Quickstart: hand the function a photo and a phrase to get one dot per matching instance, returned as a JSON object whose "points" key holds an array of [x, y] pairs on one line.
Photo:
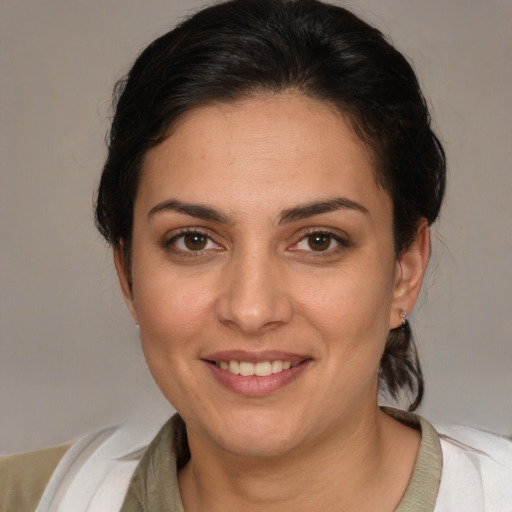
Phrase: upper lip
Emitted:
{"points": [[254, 357]]}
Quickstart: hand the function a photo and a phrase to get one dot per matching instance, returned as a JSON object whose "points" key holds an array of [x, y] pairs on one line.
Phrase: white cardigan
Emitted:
{"points": [[94, 474]]}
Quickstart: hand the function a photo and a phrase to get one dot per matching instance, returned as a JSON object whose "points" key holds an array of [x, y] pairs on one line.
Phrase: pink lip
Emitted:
{"points": [[255, 386]]}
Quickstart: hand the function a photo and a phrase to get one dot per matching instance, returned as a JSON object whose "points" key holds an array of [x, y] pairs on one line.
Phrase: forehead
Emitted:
{"points": [[243, 152]]}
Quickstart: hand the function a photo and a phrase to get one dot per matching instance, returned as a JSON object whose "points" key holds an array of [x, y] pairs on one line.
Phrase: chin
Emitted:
{"points": [[255, 435], [259, 443]]}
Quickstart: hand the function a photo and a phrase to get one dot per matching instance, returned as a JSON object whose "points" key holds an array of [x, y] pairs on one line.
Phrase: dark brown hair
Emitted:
{"points": [[241, 48]]}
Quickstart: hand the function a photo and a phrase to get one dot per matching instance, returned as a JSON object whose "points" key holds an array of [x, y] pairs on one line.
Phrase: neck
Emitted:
{"points": [[366, 465]]}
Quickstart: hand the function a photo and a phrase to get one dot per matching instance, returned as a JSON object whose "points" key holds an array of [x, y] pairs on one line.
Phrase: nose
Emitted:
{"points": [[255, 297]]}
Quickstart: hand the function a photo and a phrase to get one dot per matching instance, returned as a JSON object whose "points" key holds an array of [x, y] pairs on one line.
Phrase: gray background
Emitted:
{"points": [[69, 356]]}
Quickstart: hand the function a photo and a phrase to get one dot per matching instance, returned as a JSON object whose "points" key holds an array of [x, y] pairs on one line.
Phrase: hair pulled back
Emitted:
{"points": [[243, 48]]}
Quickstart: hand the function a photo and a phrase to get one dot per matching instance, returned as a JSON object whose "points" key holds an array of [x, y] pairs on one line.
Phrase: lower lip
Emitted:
{"points": [[254, 385]]}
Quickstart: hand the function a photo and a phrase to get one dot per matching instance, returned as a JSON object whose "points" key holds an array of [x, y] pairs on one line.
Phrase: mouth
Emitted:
{"points": [[259, 369], [256, 375]]}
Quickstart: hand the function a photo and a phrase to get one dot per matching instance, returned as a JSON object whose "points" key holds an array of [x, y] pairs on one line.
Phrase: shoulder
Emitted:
{"points": [[24, 476], [486, 445], [477, 470], [92, 474], [475, 467]]}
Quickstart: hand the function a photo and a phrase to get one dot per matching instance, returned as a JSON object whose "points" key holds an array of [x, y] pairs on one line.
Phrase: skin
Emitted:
{"points": [[257, 285]]}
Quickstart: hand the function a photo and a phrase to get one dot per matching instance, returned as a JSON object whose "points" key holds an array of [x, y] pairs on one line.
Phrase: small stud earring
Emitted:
{"points": [[403, 316]]}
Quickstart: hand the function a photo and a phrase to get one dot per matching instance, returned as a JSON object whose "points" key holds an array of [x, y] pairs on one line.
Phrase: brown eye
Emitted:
{"points": [[195, 241], [319, 241], [192, 243]]}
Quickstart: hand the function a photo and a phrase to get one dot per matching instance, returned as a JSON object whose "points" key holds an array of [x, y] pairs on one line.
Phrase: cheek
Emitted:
{"points": [[173, 316], [349, 300], [350, 309], [170, 310]]}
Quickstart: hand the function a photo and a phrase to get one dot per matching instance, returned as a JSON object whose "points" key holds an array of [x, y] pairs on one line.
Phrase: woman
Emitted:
{"points": [[270, 183]]}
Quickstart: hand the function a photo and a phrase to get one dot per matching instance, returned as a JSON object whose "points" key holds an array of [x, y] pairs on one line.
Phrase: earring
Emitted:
{"points": [[403, 316]]}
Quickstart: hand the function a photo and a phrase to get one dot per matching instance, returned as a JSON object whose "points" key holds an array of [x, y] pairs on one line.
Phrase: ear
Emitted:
{"points": [[124, 281], [411, 268]]}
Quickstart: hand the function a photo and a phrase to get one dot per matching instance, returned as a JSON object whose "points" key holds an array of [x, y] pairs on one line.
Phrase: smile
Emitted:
{"points": [[259, 369], [256, 374]]}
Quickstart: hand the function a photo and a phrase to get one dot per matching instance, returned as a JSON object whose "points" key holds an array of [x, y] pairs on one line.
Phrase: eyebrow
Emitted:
{"points": [[319, 207], [199, 211], [287, 216]]}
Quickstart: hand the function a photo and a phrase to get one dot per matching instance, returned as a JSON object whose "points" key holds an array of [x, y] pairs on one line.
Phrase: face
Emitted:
{"points": [[264, 275]]}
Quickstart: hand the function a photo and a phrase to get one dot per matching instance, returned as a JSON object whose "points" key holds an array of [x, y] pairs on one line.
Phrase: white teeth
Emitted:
{"points": [[234, 367], [261, 369], [277, 366], [246, 369]]}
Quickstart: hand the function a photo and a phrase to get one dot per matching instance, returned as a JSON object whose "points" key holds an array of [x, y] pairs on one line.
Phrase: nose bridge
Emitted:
{"points": [[255, 298]]}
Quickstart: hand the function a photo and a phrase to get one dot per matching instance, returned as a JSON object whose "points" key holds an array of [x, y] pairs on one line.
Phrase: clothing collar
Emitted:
{"points": [[154, 485]]}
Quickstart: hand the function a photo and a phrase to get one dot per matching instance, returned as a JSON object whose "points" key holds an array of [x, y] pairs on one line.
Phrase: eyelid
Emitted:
{"points": [[340, 237], [172, 237]]}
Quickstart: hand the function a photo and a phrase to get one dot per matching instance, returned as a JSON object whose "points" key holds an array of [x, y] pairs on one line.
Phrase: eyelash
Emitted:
{"points": [[342, 242], [170, 244]]}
